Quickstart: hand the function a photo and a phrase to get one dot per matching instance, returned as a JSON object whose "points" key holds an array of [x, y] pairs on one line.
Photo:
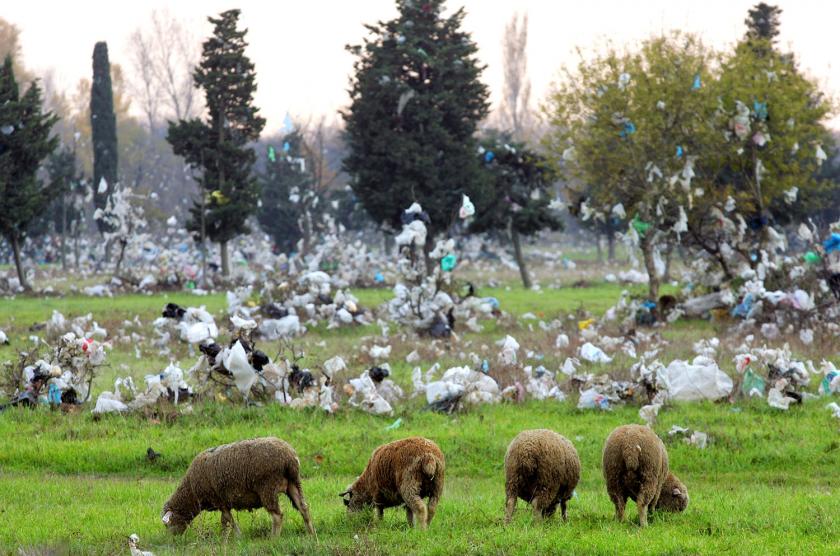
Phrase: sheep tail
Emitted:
{"points": [[631, 453], [429, 465]]}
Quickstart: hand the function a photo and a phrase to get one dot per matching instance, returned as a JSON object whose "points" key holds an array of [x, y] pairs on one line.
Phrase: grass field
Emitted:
{"points": [[767, 483]]}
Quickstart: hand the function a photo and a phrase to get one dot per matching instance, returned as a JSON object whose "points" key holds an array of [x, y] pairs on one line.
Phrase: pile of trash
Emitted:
{"points": [[63, 377], [169, 385], [349, 264], [425, 299], [193, 325]]}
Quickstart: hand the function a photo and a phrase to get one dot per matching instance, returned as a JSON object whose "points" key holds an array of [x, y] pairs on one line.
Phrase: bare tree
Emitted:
{"points": [[516, 91], [144, 83], [163, 54]]}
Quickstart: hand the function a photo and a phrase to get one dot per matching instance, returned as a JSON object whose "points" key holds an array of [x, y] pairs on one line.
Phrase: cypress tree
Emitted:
{"points": [[24, 142], [219, 146], [103, 123], [416, 101]]}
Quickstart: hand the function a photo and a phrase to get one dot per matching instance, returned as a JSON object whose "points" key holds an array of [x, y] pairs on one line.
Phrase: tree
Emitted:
{"points": [[416, 101], [162, 53], [763, 22], [520, 202], [630, 128], [65, 181], [516, 90], [103, 125], [219, 146], [24, 142], [286, 178], [765, 171]]}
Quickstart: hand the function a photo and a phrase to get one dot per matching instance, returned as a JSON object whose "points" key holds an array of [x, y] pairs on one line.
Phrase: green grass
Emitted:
{"points": [[766, 484]]}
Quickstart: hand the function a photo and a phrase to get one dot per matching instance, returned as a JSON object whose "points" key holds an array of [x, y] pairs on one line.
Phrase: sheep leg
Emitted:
{"points": [[409, 515], [229, 523], [268, 499], [619, 501], [563, 509], [510, 506], [433, 501], [418, 511], [647, 493], [276, 522], [543, 506], [380, 513], [295, 494]]}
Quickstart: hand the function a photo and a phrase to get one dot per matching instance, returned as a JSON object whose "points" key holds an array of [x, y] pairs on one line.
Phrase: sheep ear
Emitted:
{"points": [[677, 492], [166, 517]]}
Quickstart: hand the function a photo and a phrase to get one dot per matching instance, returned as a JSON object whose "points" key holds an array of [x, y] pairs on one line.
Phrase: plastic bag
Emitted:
{"points": [[594, 354], [701, 379], [591, 399]]}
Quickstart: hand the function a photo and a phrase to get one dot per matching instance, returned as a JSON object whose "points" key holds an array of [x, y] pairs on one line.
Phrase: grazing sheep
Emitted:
{"points": [[401, 472], [244, 475], [543, 468], [635, 465]]}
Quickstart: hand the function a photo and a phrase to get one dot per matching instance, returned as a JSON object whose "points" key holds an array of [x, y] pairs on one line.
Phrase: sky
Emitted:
{"points": [[303, 68]]}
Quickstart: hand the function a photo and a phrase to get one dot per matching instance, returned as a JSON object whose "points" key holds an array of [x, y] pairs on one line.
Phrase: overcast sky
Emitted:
{"points": [[298, 46]]}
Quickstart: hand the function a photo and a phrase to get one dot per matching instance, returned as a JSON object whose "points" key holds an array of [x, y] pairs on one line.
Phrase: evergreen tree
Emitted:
{"points": [[103, 124], [763, 22], [65, 181], [286, 179], [219, 146], [416, 100], [520, 200], [24, 142]]}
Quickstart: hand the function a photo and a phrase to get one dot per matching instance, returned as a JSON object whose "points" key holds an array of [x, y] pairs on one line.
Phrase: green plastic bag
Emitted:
{"points": [[811, 258], [640, 225], [447, 264], [752, 380]]}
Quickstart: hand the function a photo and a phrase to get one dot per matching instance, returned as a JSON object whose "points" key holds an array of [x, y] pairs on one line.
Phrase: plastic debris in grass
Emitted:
{"points": [[62, 376], [701, 379], [689, 436]]}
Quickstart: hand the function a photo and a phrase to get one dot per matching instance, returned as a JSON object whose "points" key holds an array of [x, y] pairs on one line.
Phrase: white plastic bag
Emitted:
{"points": [[701, 379]]}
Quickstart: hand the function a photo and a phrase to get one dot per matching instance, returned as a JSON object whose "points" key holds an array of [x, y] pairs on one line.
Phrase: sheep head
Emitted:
{"points": [[175, 522], [674, 496], [356, 499]]}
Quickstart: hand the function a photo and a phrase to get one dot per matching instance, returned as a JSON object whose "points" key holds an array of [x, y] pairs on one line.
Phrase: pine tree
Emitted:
{"points": [[103, 124], [416, 100], [219, 146], [520, 200], [24, 142], [287, 177]]}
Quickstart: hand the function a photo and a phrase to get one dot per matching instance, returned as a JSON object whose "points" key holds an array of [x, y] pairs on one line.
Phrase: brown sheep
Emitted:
{"points": [[244, 475], [543, 468], [401, 472], [635, 465]]}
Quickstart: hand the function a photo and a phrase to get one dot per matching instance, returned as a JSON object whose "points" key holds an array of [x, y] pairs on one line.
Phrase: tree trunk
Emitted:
{"points": [[63, 231], [430, 265], [76, 249], [225, 263], [669, 251], [307, 231], [653, 279], [18, 265], [598, 247], [123, 243], [611, 246], [520, 259]]}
